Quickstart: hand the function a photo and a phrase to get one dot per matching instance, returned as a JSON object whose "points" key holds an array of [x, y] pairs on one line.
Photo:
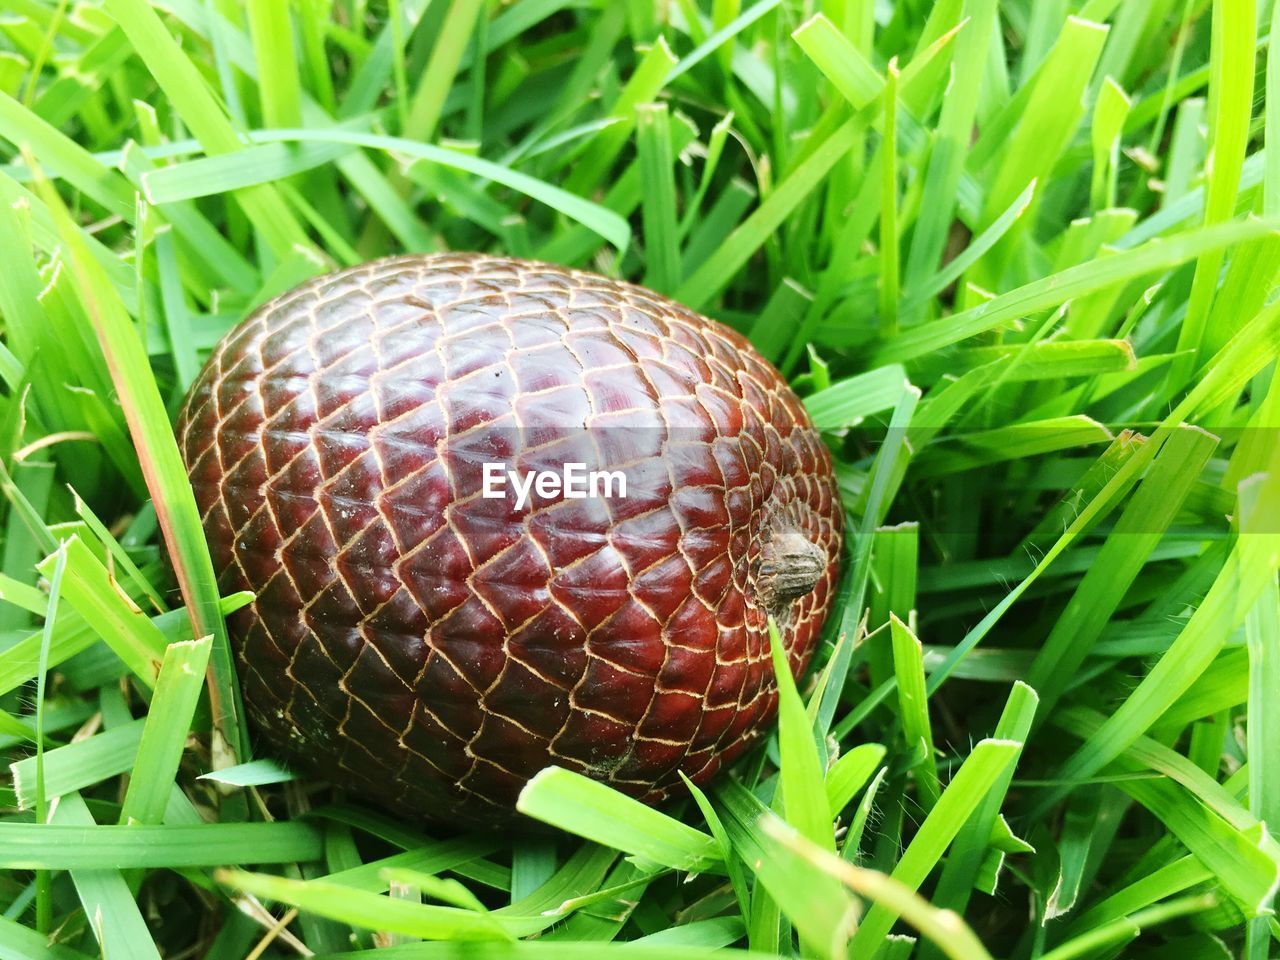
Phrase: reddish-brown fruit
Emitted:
{"points": [[433, 648]]}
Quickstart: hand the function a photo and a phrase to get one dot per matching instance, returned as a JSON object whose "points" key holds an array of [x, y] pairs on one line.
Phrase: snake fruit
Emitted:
{"points": [[430, 642]]}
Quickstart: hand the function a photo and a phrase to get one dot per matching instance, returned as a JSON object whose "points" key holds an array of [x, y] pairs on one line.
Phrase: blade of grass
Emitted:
{"points": [[164, 736], [972, 843], [895, 557], [951, 142], [1246, 863], [446, 56], [594, 158], [119, 558], [803, 799], [602, 221], [718, 270], [67, 158], [433, 856], [847, 403], [194, 102], [589, 809], [782, 312], [1168, 880], [216, 255], [376, 912], [1140, 528], [822, 911], [255, 773], [1262, 633], [1251, 566], [889, 239], [23, 943], [1041, 360], [978, 774], [913, 708], [728, 25], [279, 89], [79, 764], [1053, 110], [165, 475], [1018, 441], [1053, 291], [711, 160], [114, 916], [1235, 32], [261, 162], [944, 929], [915, 300], [850, 774], [1129, 927], [58, 846], [658, 208], [44, 890], [91, 592], [1109, 112], [839, 60]]}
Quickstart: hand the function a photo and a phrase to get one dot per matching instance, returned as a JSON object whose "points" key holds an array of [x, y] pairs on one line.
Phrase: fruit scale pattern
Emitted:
{"points": [[431, 648]]}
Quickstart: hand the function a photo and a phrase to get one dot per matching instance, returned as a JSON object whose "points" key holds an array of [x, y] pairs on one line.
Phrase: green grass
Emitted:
{"points": [[1018, 258]]}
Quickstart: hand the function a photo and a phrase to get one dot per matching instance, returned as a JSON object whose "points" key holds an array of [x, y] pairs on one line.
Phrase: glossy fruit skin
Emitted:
{"points": [[431, 649]]}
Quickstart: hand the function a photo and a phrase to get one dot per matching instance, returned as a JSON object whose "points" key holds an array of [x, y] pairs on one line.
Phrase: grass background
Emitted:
{"points": [[1017, 256]]}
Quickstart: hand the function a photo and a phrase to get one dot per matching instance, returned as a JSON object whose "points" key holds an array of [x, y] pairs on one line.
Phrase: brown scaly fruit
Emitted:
{"points": [[432, 648]]}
